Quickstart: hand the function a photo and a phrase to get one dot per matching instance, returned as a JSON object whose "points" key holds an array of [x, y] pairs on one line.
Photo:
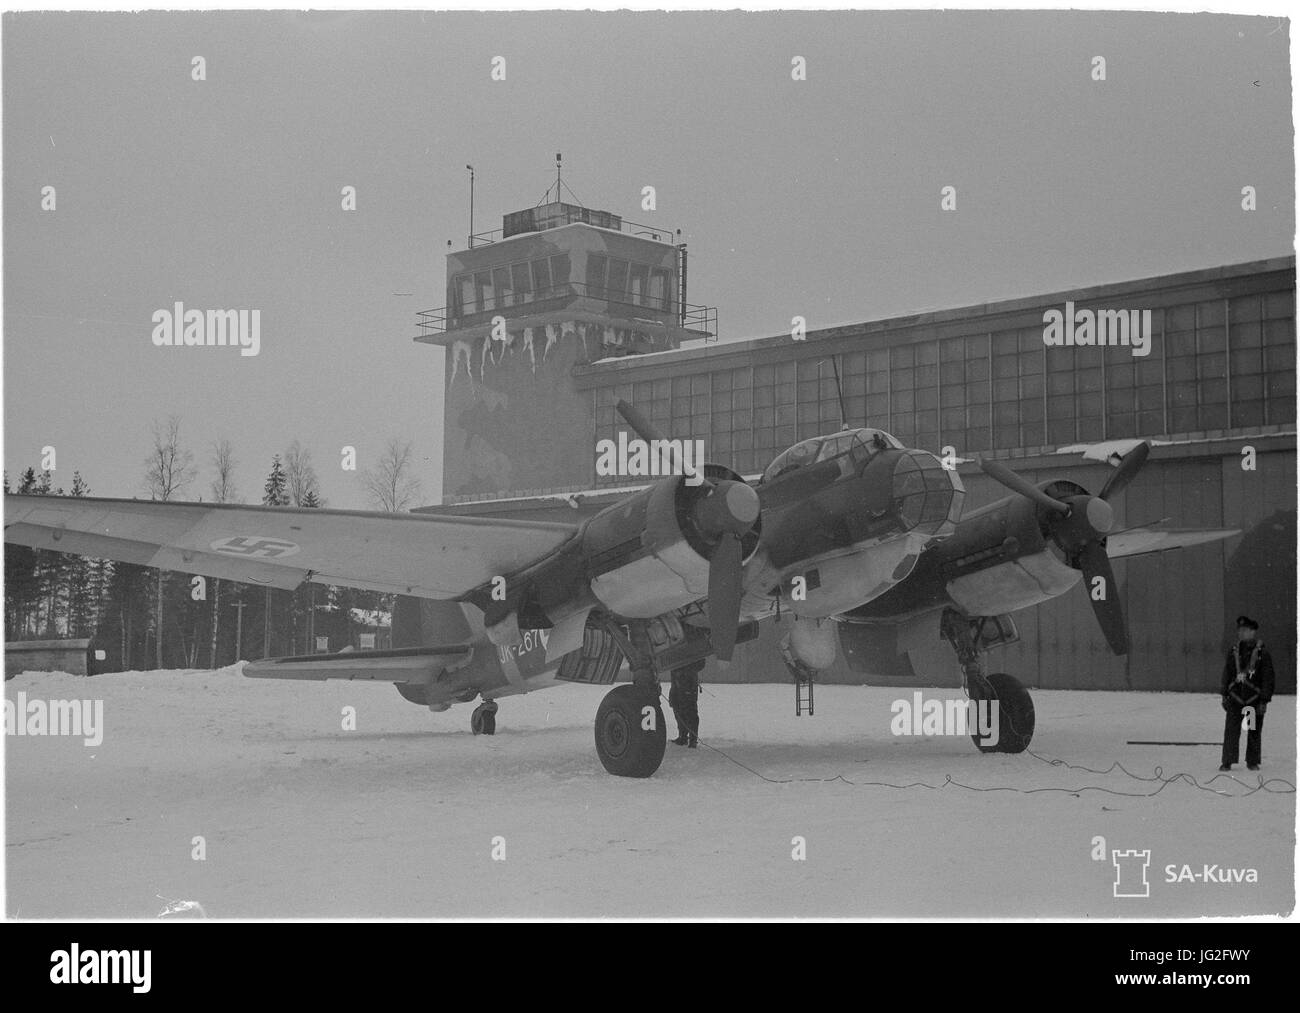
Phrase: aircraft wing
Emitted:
{"points": [[1136, 541], [424, 555]]}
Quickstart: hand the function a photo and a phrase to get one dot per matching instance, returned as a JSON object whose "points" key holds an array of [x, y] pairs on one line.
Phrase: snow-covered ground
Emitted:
{"points": [[398, 818]]}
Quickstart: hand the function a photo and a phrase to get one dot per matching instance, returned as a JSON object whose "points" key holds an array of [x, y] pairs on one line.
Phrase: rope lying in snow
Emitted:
{"points": [[1158, 775]]}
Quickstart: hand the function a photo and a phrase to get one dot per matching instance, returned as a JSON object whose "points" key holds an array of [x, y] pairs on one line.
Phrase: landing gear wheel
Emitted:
{"points": [[630, 732], [1015, 715], [484, 719]]}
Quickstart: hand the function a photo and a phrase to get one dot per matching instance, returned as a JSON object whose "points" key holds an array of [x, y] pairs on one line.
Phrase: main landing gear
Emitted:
{"points": [[969, 638], [630, 732], [484, 719]]}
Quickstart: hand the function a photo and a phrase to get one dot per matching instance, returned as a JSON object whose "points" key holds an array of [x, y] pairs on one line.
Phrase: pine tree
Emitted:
{"points": [[275, 492]]}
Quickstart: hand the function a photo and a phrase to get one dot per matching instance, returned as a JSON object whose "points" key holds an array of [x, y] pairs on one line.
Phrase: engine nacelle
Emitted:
{"points": [[645, 556]]}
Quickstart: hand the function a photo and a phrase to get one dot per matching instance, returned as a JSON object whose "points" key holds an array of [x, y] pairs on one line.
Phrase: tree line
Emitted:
{"points": [[143, 618]]}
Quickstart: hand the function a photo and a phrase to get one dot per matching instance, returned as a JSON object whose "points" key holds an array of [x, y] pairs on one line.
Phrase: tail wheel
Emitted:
{"points": [[1015, 715], [483, 721], [630, 732]]}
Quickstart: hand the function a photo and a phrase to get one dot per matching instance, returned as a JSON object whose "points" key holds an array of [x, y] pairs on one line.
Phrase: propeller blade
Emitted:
{"points": [[641, 425], [1129, 465], [724, 595], [1001, 473], [1110, 613]]}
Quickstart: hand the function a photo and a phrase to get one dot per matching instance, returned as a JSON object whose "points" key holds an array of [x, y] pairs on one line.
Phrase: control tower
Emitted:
{"points": [[558, 286]]}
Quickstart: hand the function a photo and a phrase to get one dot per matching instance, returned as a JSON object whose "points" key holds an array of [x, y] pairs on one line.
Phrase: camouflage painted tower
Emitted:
{"points": [[558, 286]]}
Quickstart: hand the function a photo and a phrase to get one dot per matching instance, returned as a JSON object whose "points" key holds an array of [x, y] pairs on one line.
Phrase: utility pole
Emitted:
{"points": [[266, 627], [470, 244]]}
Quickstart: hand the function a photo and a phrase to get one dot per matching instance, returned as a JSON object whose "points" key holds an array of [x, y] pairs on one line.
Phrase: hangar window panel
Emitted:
{"points": [[1031, 386], [1281, 384], [929, 440], [952, 396], [1088, 379], [1214, 391], [740, 420], [952, 420], [541, 278], [903, 430], [700, 404], [721, 380], [1279, 357], [830, 413], [623, 392], [1151, 372], [1090, 430], [1181, 395], [1032, 434], [855, 384], [661, 289], [1181, 368], [927, 421], [743, 461], [559, 270], [827, 388], [1005, 390], [742, 399], [1213, 417], [483, 291], [977, 346], [785, 372], [807, 369], [877, 405], [662, 388], [681, 386], [722, 402], [1031, 410], [1180, 343], [467, 294], [1180, 318], [1243, 308], [764, 417], [1279, 332], [1119, 375], [681, 408], [977, 393], [979, 417], [785, 436], [522, 282], [1151, 399], [1060, 383], [1120, 425], [856, 407], [977, 370], [1004, 438], [616, 279], [808, 414], [605, 419], [978, 439], [1279, 304], [1060, 431], [1150, 423], [764, 374], [1212, 366], [638, 284], [1211, 339], [604, 396], [927, 397], [853, 363], [1209, 314], [1279, 411], [927, 376], [504, 287], [1032, 363], [807, 391], [1247, 413], [721, 445], [877, 383], [764, 397], [1182, 420], [1247, 388], [765, 438], [927, 353], [785, 393], [901, 356], [952, 350], [903, 401], [952, 372], [1005, 343], [903, 379], [741, 377], [1247, 335], [878, 362], [1060, 359], [1030, 339], [642, 390], [1006, 414], [1121, 400], [700, 383]]}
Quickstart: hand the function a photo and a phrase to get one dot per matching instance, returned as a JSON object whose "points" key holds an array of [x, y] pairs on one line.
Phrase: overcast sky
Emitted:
{"points": [[818, 198]]}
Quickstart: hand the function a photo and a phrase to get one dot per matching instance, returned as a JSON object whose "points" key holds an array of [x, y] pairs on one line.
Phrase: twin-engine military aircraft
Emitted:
{"points": [[848, 533]]}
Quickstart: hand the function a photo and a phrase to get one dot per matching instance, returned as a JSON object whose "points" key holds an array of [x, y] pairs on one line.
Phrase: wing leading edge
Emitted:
{"points": [[424, 555]]}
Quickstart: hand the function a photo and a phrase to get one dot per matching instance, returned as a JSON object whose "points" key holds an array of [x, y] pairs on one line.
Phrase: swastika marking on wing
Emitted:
{"points": [[254, 546]]}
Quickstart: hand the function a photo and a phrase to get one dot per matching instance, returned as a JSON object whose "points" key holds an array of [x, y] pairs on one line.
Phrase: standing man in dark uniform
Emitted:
{"points": [[683, 698], [1247, 682]]}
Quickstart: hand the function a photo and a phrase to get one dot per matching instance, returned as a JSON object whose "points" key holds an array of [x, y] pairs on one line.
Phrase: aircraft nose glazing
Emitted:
{"points": [[927, 496]]}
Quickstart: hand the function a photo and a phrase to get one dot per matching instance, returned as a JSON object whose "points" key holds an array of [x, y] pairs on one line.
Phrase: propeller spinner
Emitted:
{"points": [[1079, 525]]}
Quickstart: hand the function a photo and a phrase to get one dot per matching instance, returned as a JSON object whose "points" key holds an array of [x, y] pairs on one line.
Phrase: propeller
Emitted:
{"points": [[1079, 525], [724, 515]]}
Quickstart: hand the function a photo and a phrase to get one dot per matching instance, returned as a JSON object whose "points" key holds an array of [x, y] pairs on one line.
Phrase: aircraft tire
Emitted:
{"points": [[1015, 715], [483, 721], [625, 747]]}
